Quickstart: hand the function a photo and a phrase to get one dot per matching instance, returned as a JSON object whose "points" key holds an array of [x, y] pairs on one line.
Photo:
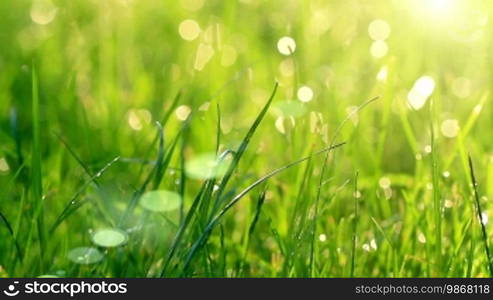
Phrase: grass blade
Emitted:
{"points": [[11, 232], [244, 144], [355, 224], [36, 175], [73, 204], [203, 238]]}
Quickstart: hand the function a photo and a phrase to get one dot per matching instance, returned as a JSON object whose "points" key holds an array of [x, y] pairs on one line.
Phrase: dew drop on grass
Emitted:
{"points": [[484, 218], [109, 237], [160, 201], [206, 166], [85, 255]]}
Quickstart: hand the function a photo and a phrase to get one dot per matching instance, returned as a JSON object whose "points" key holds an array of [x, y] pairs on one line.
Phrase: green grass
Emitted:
{"points": [[104, 102]]}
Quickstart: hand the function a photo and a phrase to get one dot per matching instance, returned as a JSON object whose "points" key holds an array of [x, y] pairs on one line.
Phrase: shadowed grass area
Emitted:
{"points": [[206, 138]]}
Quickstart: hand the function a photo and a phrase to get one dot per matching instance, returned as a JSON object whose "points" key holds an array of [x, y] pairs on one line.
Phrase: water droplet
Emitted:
{"points": [[4, 166], [382, 74], [448, 203], [206, 166], [305, 94], [189, 30], [43, 12], [373, 244], [136, 118], [283, 124], [109, 237], [160, 201], [384, 182], [421, 91], [286, 45], [379, 49], [484, 218], [182, 112], [85, 255]]}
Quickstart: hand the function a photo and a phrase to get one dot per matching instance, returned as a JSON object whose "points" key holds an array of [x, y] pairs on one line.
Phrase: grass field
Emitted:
{"points": [[246, 138]]}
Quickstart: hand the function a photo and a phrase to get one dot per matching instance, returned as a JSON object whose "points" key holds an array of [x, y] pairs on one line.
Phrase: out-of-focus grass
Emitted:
{"points": [[91, 128]]}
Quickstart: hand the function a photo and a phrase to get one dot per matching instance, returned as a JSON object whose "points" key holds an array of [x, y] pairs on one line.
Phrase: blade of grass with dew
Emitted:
{"points": [[437, 202], [73, 204], [244, 144], [484, 235], [465, 130], [218, 128], [322, 173], [6, 222], [154, 171], [181, 230], [355, 225], [76, 157], [251, 229], [14, 126], [162, 123], [86, 169], [458, 247], [202, 239], [392, 247], [162, 163]]}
